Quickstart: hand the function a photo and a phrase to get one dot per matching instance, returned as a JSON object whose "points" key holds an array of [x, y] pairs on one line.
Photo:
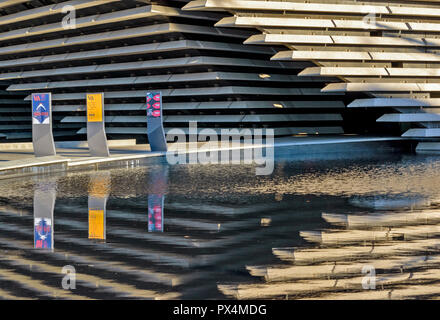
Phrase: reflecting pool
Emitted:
{"points": [[334, 228]]}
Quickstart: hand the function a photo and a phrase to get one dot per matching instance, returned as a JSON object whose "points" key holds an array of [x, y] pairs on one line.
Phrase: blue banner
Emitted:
{"points": [[41, 108]]}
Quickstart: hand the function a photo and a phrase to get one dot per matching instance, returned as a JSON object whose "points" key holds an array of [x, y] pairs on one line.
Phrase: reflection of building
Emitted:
{"points": [[213, 242], [201, 245], [401, 247], [390, 203], [205, 73]]}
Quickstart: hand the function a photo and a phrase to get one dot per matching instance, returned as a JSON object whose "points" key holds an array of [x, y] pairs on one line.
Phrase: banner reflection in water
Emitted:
{"points": [[44, 205]]}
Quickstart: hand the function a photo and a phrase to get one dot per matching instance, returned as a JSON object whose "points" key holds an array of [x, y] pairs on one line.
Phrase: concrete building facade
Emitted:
{"points": [[208, 60], [388, 50]]}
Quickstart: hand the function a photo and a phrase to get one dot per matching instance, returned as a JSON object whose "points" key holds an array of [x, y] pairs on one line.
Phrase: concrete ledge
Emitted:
{"points": [[16, 146], [84, 144], [428, 148], [66, 144], [115, 161]]}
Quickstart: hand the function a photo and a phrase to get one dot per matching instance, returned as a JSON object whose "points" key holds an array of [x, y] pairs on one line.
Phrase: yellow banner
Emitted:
{"points": [[96, 224], [94, 107]]}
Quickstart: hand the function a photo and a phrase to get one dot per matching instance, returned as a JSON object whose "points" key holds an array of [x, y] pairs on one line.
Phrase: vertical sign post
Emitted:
{"points": [[44, 205], [155, 130], [158, 182], [96, 136], [98, 195], [42, 136]]}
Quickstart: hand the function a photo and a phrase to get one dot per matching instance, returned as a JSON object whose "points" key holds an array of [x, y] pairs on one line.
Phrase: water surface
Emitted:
{"points": [[310, 230]]}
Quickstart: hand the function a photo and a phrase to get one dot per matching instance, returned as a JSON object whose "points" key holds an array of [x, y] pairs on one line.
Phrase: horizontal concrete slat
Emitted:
{"points": [[121, 34], [200, 92], [173, 78], [149, 64], [136, 49], [410, 117], [278, 131]]}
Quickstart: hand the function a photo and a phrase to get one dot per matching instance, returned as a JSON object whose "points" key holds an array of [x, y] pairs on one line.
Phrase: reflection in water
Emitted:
{"points": [[401, 248], [44, 204], [98, 195], [308, 231], [389, 202]]}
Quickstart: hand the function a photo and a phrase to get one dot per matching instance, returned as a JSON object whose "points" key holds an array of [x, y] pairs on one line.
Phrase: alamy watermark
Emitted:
{"points": [[369, 280], [370, 20], [229, 146], [69, 20], [69, 280]]}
